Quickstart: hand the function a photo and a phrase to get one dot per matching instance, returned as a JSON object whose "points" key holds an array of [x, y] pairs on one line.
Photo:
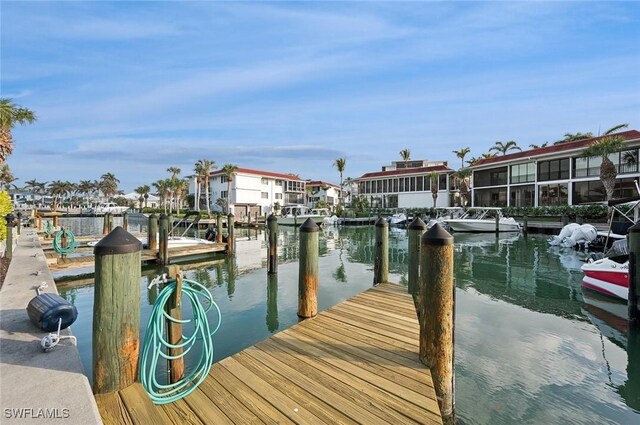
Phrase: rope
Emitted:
{"points": [[155, 346], [71, 242], [48, 342], [48, 228]]}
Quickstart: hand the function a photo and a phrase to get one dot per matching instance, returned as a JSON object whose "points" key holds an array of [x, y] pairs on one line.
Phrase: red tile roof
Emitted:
{"points": [[321, 183], [405, 171], [241, 170], [561, 147]]}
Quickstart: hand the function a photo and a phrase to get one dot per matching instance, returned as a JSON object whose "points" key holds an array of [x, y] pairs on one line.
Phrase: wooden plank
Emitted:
{"points": [[381, 309], [252, 401], [357, 322], [378, 320], [112, 409], [207, 411], [325, 412], [140, 407], [381, 315], [179, 412], [344, 385]]}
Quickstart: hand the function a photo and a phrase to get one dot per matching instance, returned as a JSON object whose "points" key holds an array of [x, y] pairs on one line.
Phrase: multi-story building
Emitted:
{"points": [[253, 191], [322, 191], [408, 185], [553, 175]]}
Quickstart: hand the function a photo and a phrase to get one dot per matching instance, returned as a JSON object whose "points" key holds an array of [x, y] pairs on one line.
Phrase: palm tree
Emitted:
{"points": [[405, 154], [108, 185], [143, 191], [464, 176], [462, 153], [603, 148], [10, 115], [534, 146], [85, 187], [570, 137], [58, 189], [206, 166], [6, 177], [433, 180], [33, 186], [340, 164], [229, 170], [473, 160], [163, 189], [503, 147], [488, 155], [198, 174]]}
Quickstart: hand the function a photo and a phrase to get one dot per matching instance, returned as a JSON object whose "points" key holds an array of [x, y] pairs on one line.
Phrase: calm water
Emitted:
{"points": [[531, 347]]}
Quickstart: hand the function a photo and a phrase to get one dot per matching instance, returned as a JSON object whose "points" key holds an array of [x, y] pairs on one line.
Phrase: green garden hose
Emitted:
{"points": [[48, 228], [71, 242], [155, 346]]}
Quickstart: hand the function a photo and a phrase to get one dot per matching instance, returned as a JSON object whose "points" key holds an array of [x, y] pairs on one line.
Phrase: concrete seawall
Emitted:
{"points": [[37, 387]]}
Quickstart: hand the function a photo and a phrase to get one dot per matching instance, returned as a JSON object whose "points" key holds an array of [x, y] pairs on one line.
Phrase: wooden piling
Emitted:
{"points": [[19, 224], [170, 227], [272, 303], [105, 224], [272, 253], [564, 219], [174, 330], [64, 243], [152, 230], [8, 252], [38, 222], [125, 221], [55, 220], [416, 229], [116, 311], [230, 236], [436, 313], [219, 226], [308, 270], [633, 304], [381, 260], [163, 240], [525, 226], [497, 224]]}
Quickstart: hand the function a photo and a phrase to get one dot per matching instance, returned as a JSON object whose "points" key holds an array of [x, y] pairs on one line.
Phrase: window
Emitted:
{"points": [[419, 184], [522, 196], [442, 182], [395, 185], [265, 195], [496, 197], [278, 182], [223, 194], [523, 173], [278, 195], [412, 184], [556, 169], [223, 179], [492, 177], [553, 194], [264, 181]]}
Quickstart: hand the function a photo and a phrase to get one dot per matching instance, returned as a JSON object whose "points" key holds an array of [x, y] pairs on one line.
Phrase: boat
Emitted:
{"points": [[482, 219], [574, 234], [329, 219], [109, 207], [294, 215], [398, 219], [607, 276], [443, 213]]}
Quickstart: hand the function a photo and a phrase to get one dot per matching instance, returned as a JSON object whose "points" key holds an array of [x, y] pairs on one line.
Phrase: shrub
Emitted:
{"points": [[5, 208]]}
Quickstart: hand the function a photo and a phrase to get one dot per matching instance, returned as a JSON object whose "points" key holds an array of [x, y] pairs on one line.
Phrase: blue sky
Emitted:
{"points": [[135, 87]]}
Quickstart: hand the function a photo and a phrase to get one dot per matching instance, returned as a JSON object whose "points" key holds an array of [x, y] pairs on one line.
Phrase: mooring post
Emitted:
{"points": [[125, 221], [497, 224], [219, 226], [308, 270], [272, 230], [415, 229], [8, 252], [381, 260], [633, 235], [525, 226], [55, 220], [38, 222], [105, 224], [19, 225], [174, 330], [272, 303], [163, 240], [170, 226], [230, 236], [116, 311], [436, 313], [565, 219], [580, 220], [152, 232], [64, 243]]}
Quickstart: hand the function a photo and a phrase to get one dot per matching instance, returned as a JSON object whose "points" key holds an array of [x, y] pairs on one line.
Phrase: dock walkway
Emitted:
{"points": [[354, 363]]}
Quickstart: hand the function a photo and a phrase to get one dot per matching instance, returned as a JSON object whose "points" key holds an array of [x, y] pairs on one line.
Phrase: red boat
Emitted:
{"points": [[607, 277]]}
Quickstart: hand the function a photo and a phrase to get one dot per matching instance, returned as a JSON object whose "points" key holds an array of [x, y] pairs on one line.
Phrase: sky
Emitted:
{"points": [[133, 88]]}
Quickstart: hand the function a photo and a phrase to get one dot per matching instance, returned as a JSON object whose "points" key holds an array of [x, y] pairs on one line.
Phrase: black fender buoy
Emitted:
{"points": [[46, 310]]}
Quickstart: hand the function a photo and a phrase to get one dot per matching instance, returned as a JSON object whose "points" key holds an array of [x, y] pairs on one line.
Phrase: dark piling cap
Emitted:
{"points": [[163, 216], [230, 215], [119, 241], [153, 216], [9, 217], [437, 235], [417, 224], [309, 226], [271, 218], [634, 229], [381, 222]]}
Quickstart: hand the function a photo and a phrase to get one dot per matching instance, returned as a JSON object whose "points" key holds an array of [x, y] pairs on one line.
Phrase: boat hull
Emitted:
{"points": [[607, 277], [482, 226], [297, 221]]}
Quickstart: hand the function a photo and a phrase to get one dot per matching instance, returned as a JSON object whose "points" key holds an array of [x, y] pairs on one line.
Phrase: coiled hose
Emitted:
{"points": [[155, 346], [48, 228], [72, 244]]}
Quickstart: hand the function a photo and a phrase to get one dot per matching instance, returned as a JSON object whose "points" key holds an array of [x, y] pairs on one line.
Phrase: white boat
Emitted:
{"points": [[295, 215], [172, 242], [398, 219], [109, 207], [482, 219], [607, 276], [328, 218], [443, 213]]}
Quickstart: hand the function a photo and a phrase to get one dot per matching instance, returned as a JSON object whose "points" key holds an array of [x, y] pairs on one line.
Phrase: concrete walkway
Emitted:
{"points": [[37, 387]]}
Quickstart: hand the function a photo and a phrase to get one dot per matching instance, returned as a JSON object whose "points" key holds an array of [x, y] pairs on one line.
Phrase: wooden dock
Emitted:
{"points": [[354, 363]]}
